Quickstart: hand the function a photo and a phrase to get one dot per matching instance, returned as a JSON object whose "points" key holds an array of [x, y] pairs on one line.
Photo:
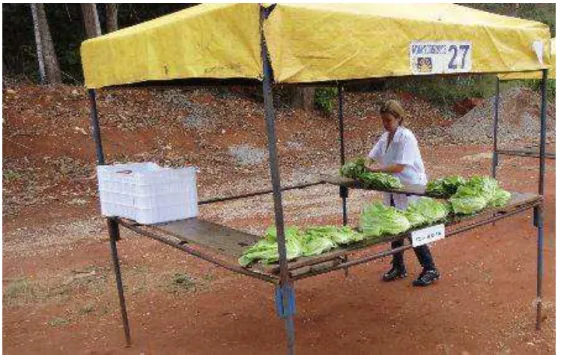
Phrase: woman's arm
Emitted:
{"points": [[392, 169]]}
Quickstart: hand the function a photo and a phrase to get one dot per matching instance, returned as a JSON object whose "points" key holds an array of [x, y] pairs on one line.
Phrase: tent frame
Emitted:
{"points": [[284, 293]]}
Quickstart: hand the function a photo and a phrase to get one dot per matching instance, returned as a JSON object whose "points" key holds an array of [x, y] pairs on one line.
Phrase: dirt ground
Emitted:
{"points": [[59, 293]]}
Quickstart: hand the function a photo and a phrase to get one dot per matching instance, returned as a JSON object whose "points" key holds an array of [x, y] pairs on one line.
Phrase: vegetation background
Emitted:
{"points": [[68, 23]]}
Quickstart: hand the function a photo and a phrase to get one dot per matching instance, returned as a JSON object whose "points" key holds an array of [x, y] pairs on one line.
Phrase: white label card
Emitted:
{"points": [[440, 57], [427, 235]]}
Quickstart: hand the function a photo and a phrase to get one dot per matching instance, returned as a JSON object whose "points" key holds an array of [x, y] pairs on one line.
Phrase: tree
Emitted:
{"points": [[302, 98], [112, 19], [38, 43], [91, 20], [46, 54]]}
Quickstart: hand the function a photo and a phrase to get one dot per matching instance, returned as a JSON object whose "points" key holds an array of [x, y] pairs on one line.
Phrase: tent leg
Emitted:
{"points": [[343, 190], [286, 293], [95, 127], [538, 212], [289, 322], [540, 209], [113, 227], [543, 129], [496, 129], [112, 224]]}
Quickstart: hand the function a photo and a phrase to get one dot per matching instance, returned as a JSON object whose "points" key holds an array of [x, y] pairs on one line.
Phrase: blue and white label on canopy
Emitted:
{"points": [[440, 57], [427, 235]]}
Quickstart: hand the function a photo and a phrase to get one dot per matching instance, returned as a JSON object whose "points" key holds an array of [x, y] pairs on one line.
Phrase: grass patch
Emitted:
{"points": [[19, 291], [87, 309], [10, 175], [181, 282], [57, 321]]}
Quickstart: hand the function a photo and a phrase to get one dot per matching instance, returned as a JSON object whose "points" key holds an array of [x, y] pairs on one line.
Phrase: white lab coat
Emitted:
{"points": [[404, 150]]}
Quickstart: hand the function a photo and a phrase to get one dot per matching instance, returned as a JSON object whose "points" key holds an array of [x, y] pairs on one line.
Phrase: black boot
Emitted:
{"points": [[396, 272], [427, 277]]}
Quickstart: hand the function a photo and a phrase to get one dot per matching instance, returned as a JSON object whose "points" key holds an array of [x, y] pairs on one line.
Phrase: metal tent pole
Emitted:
{"points": [[496, 129], [539, 211], [543, 129], [285, 293], [343, 190], [112, 224]]}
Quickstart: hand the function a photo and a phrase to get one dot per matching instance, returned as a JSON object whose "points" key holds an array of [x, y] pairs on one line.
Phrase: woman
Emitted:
{"points": [[397, 153]]}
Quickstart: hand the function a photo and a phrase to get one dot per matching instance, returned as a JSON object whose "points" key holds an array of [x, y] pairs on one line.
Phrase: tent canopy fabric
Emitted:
{"points": [[216, 41], [311, 43], [535, 75]]}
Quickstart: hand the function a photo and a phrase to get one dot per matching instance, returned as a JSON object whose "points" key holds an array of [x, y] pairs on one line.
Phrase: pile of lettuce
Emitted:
{"points": [[425, 211], [445, 187], [377, 219], [478, 193], [311, 241], [266, 249], [380, 181], [356, 169]]}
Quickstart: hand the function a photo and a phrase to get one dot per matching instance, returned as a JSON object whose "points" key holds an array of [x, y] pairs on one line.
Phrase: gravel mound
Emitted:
{"points": [[519, 119], [247, 155]]}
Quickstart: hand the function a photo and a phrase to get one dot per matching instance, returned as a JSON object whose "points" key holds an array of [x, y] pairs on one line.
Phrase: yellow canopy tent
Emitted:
{"points": [[536, 75], [314, 43], [307, 43]]}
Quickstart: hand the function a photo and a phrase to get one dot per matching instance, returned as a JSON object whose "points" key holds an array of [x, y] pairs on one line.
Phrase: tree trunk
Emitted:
{"points": [[91, 20], [111, 11], [302, 98], [49, 55], [38, 43]]}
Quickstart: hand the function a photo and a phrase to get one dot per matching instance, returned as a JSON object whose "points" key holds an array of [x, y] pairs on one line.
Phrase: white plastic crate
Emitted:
{"points": [[147, 193]]}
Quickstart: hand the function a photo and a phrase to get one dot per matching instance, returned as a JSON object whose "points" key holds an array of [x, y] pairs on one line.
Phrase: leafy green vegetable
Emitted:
{"points": [[475, 195], [377, 219], [500, 199], [312, 241], [339, 235], [353, 168], [425, 211], [468, 204], [356, 169], [266, 249], [346, 235], [315, 244], [380, 181], [445, 187]]}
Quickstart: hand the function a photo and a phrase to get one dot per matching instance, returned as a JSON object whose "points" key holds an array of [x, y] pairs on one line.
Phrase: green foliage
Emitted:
{"points": [[445, 91], [536, 85], [324, 99], [67, 31]]}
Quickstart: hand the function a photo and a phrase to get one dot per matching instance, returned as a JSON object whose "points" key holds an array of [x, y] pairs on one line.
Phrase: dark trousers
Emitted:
{"points": [[422, 252]]}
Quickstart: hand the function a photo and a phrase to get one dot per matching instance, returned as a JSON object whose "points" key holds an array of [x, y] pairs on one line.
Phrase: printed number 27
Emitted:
{"points": [[453, 48]]}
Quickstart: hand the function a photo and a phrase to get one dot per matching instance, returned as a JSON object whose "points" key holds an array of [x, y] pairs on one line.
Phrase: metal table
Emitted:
{"points": [[223, 245]]}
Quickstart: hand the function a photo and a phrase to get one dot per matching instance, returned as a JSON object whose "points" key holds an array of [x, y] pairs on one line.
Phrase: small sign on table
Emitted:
{"points": [[427, 235]]}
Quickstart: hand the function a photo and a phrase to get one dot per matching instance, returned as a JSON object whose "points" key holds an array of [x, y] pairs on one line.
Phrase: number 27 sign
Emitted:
{"points": [[440, 57]]}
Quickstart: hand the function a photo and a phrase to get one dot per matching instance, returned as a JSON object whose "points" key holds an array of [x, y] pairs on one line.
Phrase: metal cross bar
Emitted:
{"points": [[258, 193]]}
